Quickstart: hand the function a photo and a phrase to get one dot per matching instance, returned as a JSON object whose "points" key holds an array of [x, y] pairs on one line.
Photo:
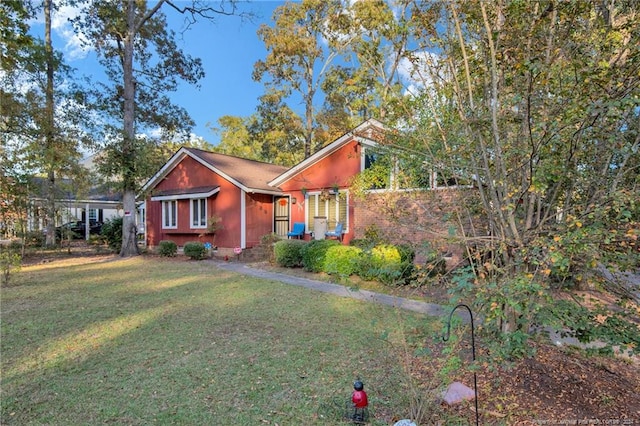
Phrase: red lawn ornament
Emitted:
{"points": [[360, 403]]}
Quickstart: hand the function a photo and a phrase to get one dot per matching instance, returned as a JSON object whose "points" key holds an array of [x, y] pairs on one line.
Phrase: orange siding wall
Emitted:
{"points": [[259, 214], [225, 204], [335, 169]]}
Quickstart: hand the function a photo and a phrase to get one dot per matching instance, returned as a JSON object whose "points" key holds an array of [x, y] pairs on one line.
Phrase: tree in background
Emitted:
{"points": [[235, 139], [14, 112], [278, 130], [142, 63], [43, 116], [298, 60], [368, 83], [342, 59]]}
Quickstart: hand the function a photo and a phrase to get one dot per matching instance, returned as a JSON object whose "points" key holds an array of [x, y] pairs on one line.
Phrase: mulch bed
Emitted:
{"points": [[562, 385]]}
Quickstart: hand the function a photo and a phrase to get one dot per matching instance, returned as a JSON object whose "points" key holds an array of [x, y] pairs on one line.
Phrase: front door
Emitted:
{"points": [[281, 216]]}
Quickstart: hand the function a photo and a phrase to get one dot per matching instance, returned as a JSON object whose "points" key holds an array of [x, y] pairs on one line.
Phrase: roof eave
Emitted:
{"points": [[186, 195]]}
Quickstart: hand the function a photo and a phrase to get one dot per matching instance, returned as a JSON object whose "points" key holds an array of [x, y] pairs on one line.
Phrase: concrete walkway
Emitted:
{"points": [[430, 309]]}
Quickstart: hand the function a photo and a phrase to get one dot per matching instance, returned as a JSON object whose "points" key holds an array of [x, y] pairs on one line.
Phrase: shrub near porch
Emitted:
{"points": [[382, 262]]}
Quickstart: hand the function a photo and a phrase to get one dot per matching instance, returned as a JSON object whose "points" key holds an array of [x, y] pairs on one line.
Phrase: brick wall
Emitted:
{"points": [[428, 220]]}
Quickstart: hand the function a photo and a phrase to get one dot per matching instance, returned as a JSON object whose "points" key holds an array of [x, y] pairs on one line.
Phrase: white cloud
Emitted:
{"points": [[418, 73], [156, 133], [75, 44]]}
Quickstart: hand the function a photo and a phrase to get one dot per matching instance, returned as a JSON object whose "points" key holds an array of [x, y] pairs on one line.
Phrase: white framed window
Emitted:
{"points": [[333, 207], [170, 214], [199, 213]]}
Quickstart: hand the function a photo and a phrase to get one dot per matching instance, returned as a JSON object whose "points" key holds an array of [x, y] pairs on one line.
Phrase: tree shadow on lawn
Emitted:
{"points": [[212, 347]]}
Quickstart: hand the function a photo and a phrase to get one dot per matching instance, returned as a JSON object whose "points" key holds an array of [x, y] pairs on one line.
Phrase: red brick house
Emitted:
{"points": [[252, 198]]}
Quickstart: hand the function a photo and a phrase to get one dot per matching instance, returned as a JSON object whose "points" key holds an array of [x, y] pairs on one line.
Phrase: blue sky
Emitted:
{"points": [[228, 48]]}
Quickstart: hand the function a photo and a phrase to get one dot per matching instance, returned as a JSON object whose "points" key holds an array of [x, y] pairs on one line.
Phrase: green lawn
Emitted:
{"points": [[144, 341]]}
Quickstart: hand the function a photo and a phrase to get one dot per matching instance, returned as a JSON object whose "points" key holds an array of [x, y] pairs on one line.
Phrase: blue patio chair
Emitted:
{"points": [[336, 233], [297, 231]]}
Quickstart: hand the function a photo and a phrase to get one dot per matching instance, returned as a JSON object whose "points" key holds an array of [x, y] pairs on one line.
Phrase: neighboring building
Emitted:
{"points": [[251, 199], [96, 205]]}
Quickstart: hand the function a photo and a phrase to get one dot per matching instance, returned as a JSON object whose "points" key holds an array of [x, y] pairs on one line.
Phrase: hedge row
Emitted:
{"points": [[386, 263]]}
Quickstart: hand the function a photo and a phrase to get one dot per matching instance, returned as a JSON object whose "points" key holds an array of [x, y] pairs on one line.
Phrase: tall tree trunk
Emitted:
{"points": [[308, 100], [49, 134], [129, 243]]}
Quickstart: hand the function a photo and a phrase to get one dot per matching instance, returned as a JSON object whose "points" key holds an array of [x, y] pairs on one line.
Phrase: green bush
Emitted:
{"points": [[167, 248], [386, 263], [407, 253], [362, 243], [313, 254], [195, 250], [396, 274], [342, 260], [112, 233], [365, 268], [288, 253], [10, 262]]}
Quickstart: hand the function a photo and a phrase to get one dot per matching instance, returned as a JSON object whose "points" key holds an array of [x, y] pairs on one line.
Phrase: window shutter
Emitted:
{"points": [[333, 210], [342, 208], [312, 201]]}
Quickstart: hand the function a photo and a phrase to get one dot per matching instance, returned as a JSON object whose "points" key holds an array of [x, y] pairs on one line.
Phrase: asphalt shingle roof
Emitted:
{"points": [[250, 173]]}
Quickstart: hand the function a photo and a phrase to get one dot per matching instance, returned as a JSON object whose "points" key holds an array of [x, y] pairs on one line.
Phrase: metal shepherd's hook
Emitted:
{"points": [[473, 351]]}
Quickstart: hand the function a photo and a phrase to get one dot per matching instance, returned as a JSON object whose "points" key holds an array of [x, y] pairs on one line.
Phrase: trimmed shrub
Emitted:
{"points": [[195, 250], [385, 254], [365, 267], [112, 233], [386, 263], [313, 254], [401, 274], [342, 260], [362, 243], [167, 248], [288, 253]]}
